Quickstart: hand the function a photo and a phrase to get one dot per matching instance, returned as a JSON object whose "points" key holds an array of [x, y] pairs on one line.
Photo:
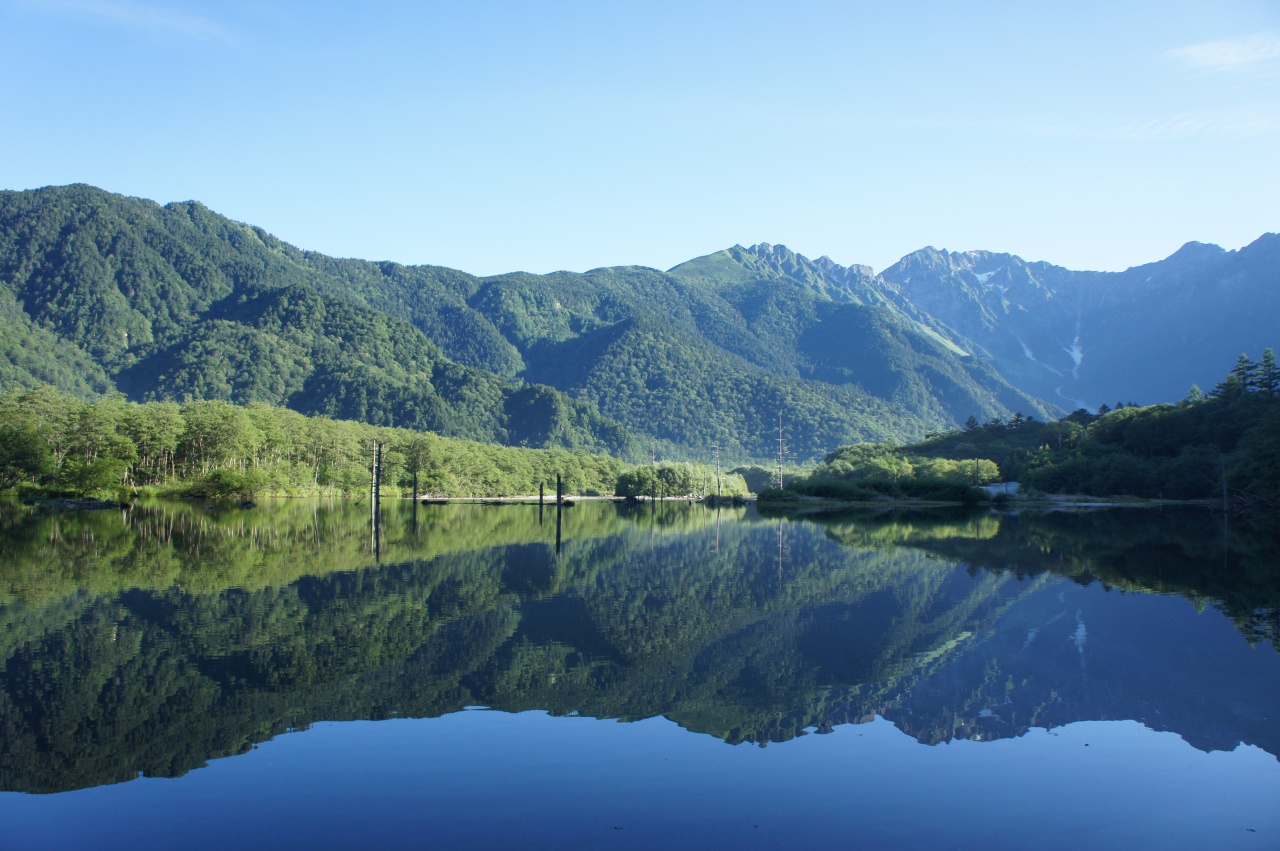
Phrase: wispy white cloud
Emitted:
{"points": [[1232, 54], [143, 17]]}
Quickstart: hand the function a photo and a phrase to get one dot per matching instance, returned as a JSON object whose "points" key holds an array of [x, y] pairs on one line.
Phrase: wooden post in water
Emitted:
{"points": [[413, 512], [719, 486], [782, 451], [375, 495], [559, 505], [1224, 485]]}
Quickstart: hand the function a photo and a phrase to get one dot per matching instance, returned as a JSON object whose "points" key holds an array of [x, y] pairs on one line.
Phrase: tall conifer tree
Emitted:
{"points": [[1247, 371], [1268, 377]]}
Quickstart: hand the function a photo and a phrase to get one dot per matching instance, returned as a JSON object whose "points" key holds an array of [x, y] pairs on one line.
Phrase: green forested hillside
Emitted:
{"points": [[176, 302], [31, 356], [852, 336], [711, 352]]}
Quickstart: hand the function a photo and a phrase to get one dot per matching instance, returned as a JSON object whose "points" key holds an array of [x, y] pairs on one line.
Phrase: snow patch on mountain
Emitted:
{"points": [[1077, 355]]}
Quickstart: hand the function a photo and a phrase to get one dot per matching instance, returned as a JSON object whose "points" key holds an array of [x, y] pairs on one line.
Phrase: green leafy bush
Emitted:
{"points": [[672, 478], [227, 484]]}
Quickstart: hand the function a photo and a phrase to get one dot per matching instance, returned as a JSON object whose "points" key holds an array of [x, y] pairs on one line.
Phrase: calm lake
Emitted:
{"points": [[182, 675]]}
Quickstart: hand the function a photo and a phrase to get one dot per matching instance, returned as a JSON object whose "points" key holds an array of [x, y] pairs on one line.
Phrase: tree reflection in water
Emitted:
{"points": [[154, 639]]}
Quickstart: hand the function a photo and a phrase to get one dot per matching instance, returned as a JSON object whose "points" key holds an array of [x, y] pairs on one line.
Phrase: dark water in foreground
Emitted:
{"points": [[1061, 680]]}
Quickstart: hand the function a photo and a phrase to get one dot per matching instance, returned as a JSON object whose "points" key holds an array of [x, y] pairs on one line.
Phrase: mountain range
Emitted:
{"points": [[102, 292], [1081, 339]]}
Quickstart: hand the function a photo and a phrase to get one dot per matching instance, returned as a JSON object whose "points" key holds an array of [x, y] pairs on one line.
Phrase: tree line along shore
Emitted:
{"points": [[1222, 445], [55, 444]]}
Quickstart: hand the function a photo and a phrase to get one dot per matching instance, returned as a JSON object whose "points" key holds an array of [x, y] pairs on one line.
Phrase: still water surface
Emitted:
{"points": [[176, 676]]}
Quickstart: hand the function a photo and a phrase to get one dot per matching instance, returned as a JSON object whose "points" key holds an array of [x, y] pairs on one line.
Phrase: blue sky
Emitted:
{"points": [[540, 136]]}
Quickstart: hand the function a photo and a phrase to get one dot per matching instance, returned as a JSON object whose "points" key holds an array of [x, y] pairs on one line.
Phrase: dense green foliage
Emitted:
{"points": [[675, 478], [757, 477], [878, 461], [878, 471], [56, 442], [1179, 451], [31, 356], [178, 303], [1007, 444]]}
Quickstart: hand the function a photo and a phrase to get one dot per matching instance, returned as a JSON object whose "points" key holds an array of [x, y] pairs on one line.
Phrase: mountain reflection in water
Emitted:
{"points": [[155, 639]]}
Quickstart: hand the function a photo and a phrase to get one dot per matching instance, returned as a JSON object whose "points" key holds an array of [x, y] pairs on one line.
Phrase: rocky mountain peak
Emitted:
{"points": [[927, 261], [844, 274], [1190, 257], [784, 261]]}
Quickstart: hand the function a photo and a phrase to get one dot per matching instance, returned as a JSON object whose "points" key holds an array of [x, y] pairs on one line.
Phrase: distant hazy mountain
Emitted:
{"points": [[1088, 338], [102, 292]]}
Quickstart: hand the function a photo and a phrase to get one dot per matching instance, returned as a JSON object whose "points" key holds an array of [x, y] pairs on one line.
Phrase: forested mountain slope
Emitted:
{"points": [[105, 292], [178, 302], [101, 291], [840, 325], [710, 352]]}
